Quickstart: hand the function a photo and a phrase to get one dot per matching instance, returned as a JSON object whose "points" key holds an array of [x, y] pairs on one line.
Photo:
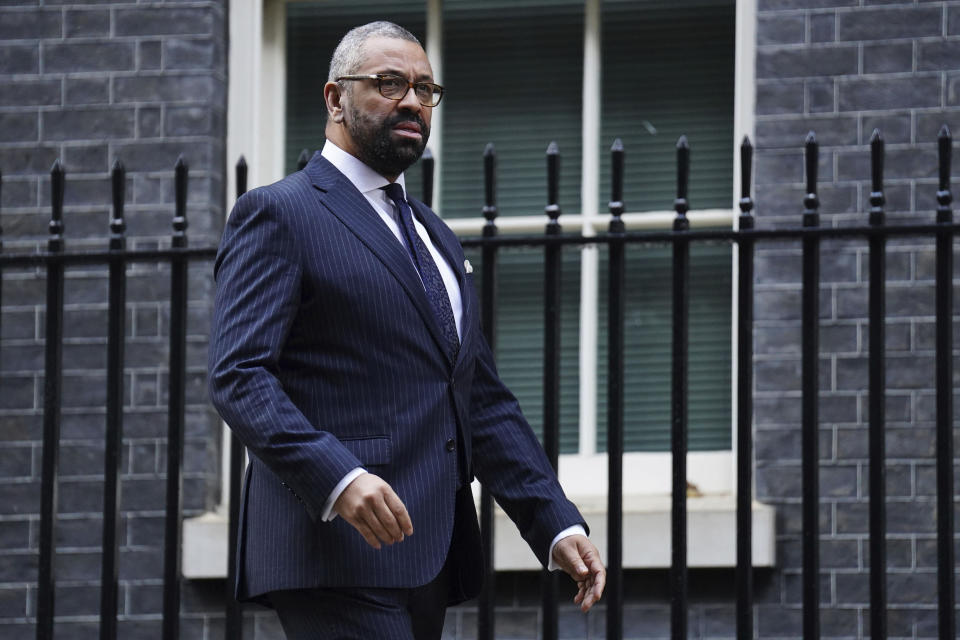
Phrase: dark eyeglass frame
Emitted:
{"points": [[435, 89]]}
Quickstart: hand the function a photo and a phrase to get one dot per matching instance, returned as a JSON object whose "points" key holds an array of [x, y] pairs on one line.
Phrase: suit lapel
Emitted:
{"points": [[343, 200]]}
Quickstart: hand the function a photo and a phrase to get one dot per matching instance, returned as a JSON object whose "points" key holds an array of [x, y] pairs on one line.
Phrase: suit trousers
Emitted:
{"points": [[364, 613]]}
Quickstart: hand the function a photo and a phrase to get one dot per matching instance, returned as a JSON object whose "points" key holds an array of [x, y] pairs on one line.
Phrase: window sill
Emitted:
{"points": [[646, 535]]}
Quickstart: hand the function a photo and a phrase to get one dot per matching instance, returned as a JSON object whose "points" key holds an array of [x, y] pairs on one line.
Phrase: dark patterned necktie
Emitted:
{"points": [[429, 274]]}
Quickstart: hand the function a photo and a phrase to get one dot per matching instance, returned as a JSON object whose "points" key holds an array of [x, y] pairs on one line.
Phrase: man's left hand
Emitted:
{"points": [[580, 559]]}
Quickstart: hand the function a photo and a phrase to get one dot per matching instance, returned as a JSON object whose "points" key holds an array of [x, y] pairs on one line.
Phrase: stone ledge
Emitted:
{"points": [[646, 540]]}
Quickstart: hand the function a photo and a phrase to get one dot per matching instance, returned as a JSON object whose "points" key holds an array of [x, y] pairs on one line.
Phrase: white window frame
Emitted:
{"points": [[255, 128]]}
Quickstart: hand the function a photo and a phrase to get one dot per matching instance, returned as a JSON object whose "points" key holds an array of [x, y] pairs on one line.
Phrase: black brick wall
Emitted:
{"points": [[91, 84], [841, 70]]}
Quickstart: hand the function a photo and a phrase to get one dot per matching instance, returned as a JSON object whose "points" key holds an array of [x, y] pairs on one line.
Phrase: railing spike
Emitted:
{"points": [[118, 177], [681, 205], [181, 171], [489, 183], [241, 170], [746, 170], [876, 168], [944, 143], [428, 164], [303, 159], [616, 185], [812, 156], [553, 182]]}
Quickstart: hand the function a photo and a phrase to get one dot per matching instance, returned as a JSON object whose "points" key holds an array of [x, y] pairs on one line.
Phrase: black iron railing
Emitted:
{"points": [[553, 242]]}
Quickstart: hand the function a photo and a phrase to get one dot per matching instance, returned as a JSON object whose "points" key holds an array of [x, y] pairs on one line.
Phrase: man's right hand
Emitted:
{"points": [[371, 506]]}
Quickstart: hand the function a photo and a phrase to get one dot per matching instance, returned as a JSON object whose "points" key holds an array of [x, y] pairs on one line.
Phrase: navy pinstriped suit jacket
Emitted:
{"points": [[325, 355]]}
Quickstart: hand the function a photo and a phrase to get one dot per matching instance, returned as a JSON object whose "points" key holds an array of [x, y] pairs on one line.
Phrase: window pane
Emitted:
{"points": [[313, 31], [648, 346], [513, 74], [519, 334], [668, 70]]}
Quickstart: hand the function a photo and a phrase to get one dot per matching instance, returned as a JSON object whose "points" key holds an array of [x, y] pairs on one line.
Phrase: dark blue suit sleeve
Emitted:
{"points": [[510, 462], [258, 281]]}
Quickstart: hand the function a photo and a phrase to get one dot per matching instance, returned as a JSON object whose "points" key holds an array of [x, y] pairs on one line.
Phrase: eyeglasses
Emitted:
{"points": [[396, 88]]}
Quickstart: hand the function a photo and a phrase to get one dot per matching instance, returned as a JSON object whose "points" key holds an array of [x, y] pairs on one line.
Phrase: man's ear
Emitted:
{"points": [[333, 95]]}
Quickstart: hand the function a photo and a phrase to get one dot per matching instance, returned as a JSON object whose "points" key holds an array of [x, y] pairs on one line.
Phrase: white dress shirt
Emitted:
{"points": [[370, 183]]}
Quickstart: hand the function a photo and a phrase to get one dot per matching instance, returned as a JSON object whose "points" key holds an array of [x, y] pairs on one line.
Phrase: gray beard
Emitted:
{"points": [[376, 148]]}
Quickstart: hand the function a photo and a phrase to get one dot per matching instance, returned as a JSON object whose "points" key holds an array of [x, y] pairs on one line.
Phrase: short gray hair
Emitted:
{"points": [[348, 56]]}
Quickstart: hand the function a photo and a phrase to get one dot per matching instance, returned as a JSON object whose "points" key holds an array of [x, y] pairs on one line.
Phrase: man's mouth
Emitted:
{"points": [[408, 129]]}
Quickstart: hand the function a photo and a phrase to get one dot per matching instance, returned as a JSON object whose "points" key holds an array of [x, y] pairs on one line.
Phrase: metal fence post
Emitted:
{"points": [[52, 386], [810, 347], [113, 447]]}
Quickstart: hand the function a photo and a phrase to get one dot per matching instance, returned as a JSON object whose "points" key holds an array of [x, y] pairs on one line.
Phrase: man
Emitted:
{"points": [[346, 354]]}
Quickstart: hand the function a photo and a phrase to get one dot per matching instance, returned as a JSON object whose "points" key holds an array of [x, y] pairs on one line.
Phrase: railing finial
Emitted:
{"points": [[746, 171], [180, 198], [944, 195], [681, 205], [303, 159], [490, 184], [877, 199], [428, 163], [242, 171], [118, 177], [811, 201], [57, 185], [616, 186], [553, 183]]}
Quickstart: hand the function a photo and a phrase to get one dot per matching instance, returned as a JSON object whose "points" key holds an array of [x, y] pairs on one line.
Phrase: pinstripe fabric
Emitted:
{"points": [[325, 355]]}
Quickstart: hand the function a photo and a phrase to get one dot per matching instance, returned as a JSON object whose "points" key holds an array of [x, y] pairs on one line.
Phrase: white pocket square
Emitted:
{"points": [[467, 266]]}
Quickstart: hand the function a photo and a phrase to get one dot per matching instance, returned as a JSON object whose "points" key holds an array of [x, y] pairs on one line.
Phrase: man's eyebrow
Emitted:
{"points": [[423, 77]]}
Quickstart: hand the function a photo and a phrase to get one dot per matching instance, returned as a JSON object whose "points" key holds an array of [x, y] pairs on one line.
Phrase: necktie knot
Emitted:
{"points": [[395, 192]]}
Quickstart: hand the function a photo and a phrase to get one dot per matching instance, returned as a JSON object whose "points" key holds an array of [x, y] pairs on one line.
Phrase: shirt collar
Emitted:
{"points": [[364, 178]]}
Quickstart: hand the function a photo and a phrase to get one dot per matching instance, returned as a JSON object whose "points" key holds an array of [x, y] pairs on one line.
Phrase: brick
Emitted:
{"points": [[19, 498], [780, 29], [806, 62], [895, 129], [898, 163], [180, 53], [820, 96], [149, 55], [888, 57], [17, 391], [953, 20], [94, 123], [839, 481], [86, 158], [776, 97], [14, 534], [27, 93], [953, 90], [165, 88], [839, 130], [30, 25], [938, 56], [187, 121], [823, 27], [77, 600], [84, 390], [19, 58], [892, 93], [16, 462], [86, 23], [165, 21], [18, 127], [78, 91], [84, 532], [162, 156], [887, 24], [774, 5], [149, 123], [76, 57], [779, 445]]}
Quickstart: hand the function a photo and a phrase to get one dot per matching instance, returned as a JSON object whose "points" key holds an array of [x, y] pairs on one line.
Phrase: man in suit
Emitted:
{"points": [[346, 354]]}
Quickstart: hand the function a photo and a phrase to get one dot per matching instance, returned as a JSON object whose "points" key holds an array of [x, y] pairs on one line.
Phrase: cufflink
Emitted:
{"points": [[467, 266]]}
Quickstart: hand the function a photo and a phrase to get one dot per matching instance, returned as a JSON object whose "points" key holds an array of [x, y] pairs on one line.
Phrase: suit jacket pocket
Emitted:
{"points": [[371, 451]]}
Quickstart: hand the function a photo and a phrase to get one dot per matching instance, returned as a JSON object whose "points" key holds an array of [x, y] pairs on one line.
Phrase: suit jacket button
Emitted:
{"points": [[451, 445]]}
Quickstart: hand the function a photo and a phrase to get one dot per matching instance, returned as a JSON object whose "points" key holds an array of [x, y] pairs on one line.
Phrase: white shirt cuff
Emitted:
{"points": [[566, 533], [328, 514]]}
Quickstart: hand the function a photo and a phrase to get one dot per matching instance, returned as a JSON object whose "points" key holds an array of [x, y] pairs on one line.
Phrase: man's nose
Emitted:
{"points": [[410, 101]]}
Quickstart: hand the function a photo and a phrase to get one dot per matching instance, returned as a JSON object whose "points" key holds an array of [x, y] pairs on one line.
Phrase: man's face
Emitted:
{"points": [[388, 135]]}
